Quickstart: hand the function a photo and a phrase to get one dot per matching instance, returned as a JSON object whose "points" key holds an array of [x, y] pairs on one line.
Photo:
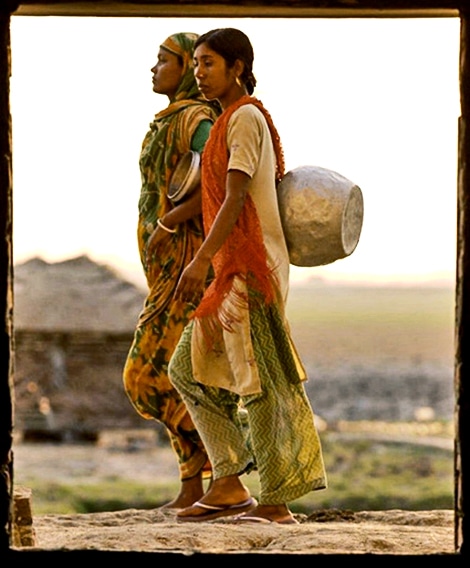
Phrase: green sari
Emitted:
{"points": [[182, 126]]}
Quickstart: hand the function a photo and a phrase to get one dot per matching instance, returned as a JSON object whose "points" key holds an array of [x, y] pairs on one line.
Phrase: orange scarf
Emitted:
{"points": [[243, 254]]}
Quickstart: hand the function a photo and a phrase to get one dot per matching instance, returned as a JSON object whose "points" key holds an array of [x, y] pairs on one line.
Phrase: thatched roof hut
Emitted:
{"points": [[74, 295], [74, 322]]}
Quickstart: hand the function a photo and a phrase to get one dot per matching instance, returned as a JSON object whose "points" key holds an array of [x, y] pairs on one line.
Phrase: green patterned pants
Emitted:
{"points": [[283, 440]]}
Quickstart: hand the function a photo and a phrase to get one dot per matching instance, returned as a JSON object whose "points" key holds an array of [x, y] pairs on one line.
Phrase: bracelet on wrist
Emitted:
{"points": [[167, 229]]}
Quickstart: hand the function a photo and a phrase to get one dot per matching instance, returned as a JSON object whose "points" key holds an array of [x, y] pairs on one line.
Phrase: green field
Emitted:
{"points": [[372, 325], [375, 353], [349, 338], [364, 473]]}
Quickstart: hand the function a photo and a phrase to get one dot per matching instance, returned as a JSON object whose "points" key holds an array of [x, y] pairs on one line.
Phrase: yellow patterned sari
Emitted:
{"points": [[174, 131]]}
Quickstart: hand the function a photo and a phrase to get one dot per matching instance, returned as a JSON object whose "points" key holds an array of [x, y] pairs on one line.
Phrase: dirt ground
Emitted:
{"points": [[331, 532], [390, 532]]}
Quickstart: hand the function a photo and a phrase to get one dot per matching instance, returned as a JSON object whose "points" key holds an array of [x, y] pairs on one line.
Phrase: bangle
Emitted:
{"points": [[160, 224]]}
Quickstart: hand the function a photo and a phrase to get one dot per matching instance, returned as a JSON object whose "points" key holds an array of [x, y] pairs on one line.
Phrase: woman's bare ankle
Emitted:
{"points": [[191, 491], [276, 513], [227, 490]]}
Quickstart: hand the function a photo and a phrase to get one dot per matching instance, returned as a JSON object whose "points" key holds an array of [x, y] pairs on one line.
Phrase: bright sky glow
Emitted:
{"points": [[375, 100]]}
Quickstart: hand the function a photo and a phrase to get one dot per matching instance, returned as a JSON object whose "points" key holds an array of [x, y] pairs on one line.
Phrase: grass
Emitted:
{"points": [[103, 496], [363, 474], [333, 326], [371, 326]]}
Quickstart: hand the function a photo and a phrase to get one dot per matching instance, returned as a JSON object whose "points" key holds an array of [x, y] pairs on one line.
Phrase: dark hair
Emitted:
{"points": [[232, 44]]}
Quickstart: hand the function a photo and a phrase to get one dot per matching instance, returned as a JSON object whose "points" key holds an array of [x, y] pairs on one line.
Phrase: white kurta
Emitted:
{"points": [[251, 151]]}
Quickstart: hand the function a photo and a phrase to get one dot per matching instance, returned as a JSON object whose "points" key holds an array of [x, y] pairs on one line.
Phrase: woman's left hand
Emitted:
{"points": [[192, 281], [156, 237]]}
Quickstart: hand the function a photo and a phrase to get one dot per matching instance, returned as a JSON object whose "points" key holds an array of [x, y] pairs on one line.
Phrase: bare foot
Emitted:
{"points": [[191, 491], [225, 493], [269, 513], [228, 490]]}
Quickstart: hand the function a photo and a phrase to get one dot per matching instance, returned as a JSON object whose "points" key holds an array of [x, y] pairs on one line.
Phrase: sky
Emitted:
{"points": [[376, 100]]}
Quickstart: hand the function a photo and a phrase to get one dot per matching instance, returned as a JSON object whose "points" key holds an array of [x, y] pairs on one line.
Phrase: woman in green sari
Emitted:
{"points": [[168, 235]]}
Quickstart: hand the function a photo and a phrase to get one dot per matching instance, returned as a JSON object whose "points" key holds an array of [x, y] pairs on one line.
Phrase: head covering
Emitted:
{"points": [[168, 138], [182, 45]]}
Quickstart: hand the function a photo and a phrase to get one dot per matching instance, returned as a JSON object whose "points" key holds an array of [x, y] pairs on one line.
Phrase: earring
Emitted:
{"points": [[238, 82]]}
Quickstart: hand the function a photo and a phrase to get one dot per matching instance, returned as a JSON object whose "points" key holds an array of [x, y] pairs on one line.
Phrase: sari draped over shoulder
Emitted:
{"points": [[168, 139], [162, 319]]}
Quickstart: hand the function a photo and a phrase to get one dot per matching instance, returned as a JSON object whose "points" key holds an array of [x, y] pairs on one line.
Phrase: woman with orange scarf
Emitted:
{"points": [[168, 236], [237, 349]]}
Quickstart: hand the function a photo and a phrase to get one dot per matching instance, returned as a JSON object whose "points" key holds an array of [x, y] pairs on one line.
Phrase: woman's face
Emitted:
{"points": [[214, 79], [167, 73]]}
